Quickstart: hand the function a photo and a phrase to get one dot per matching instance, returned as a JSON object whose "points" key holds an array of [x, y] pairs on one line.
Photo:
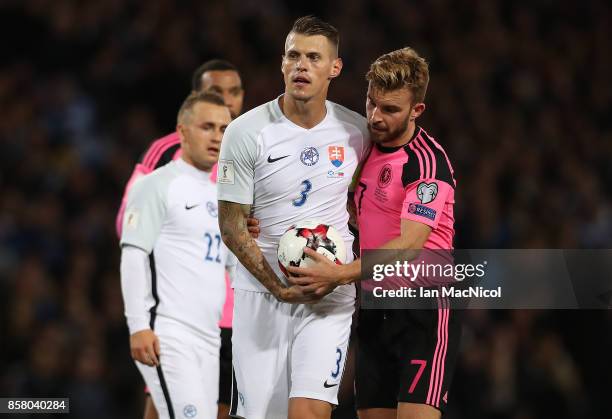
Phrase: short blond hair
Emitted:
{"points": [[190, 101], [398, 69]]}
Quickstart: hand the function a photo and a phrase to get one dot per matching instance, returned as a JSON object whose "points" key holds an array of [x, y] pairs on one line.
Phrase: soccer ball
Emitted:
{"points": [[315, 234]]}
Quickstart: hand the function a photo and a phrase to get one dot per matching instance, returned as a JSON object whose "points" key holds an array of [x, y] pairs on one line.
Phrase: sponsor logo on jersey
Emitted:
{"points": [[309, 156], [188, 207], [275, 159], [190, 411], [422, 210], [336, 155], [385, 176], [225, 172], [212, 209], [326, 385], [335, 174], [427, 192]]}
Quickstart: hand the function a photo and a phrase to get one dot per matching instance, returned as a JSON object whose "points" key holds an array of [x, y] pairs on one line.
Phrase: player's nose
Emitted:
{"points": [[227, 98], [375, 115], [300, 64], [217, 136]]}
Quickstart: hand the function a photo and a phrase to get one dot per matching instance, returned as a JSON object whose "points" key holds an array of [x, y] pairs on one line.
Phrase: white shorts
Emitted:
{"points": [[282, 350], [186, 384]]}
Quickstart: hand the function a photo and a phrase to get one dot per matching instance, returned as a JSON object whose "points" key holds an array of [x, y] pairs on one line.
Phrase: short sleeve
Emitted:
{"points": [[425, 200], [236, 168], [144, 214], [139, 171], [362, 161], [231, 260]]}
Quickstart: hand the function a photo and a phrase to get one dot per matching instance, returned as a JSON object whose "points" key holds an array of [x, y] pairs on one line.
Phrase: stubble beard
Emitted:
{"points": [[390, 136]]}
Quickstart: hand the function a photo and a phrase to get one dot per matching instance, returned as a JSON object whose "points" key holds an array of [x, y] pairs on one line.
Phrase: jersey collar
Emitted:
{"points": [[384, 149], [190, 170], [281, 115]]}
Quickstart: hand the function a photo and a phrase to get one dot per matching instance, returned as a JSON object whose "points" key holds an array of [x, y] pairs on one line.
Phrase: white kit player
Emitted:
{"points": [[286, 161], [173, 268]]}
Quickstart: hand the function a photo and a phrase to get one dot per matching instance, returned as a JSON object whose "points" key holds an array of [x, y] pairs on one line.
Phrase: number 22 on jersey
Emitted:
{"points": [[211, 248]]}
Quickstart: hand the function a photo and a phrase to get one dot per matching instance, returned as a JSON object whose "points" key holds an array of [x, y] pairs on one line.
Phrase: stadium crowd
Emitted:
{"points": [[519, 96]]}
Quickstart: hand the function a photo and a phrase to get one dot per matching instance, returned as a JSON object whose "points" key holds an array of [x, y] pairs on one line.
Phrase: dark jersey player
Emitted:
{"points": [[221, 77], [404, 200]]}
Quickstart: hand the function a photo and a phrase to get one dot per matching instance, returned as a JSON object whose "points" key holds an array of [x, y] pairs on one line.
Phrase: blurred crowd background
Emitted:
{"points": [[520, 97]]}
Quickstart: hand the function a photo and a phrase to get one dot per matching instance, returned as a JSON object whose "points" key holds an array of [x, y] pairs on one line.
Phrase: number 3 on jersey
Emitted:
{"points": [[336, 372], [306, 187]]}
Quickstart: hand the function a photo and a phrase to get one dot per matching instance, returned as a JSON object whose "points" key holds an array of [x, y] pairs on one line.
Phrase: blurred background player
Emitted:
{"points": [[289, 358], [215, 75], [221, 77], [174, 295], [404, 199]]}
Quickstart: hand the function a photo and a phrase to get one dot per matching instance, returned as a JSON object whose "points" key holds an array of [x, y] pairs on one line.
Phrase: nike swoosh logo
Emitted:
{"points": [[328, 385], [188, 207], [271, 160]]}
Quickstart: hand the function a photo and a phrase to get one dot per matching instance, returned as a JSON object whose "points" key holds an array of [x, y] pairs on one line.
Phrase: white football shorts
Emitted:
{"points": [[186, 384], [282, 351]]}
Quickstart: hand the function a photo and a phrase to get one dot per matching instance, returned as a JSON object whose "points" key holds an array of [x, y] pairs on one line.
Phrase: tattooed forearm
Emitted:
{"points": [[232, 222]]}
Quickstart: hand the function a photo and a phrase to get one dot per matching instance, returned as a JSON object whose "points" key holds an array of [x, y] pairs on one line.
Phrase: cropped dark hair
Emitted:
{"points": [[210, 65], [311, 25]]}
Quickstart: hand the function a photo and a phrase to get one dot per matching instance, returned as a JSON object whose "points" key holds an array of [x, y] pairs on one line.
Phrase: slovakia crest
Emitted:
{"points": [[336, 155]]}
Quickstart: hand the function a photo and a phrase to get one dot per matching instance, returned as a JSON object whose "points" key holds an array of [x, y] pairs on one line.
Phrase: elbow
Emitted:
{"points": [[224, 228], [413, 244], [227, 239], [232, 225], [227, 235], [230, 237]]}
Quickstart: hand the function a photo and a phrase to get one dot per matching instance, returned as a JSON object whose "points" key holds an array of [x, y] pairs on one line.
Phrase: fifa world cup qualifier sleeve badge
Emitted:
{"points": [[426, 192], [225, 172]]}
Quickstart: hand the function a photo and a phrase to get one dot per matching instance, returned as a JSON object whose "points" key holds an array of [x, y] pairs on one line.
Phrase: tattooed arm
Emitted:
{"points": [[233, 225]]}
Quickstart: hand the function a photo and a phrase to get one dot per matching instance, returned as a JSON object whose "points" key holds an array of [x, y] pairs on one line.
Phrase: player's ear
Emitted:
{"points": [[180, 130], [336, 68], [417, 110]]}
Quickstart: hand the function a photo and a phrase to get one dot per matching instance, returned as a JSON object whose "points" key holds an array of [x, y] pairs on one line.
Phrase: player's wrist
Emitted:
{"points": [[349, 273], [279, 292], [137, 325], [141, 331]]}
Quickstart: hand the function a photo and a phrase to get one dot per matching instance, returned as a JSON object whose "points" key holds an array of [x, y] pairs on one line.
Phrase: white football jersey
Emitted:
{"points": [[172, 215], [290, 174]]}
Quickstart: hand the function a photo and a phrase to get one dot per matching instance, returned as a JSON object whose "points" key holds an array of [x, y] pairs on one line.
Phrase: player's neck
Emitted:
{"points": [[306, 114], [192, 163]]}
